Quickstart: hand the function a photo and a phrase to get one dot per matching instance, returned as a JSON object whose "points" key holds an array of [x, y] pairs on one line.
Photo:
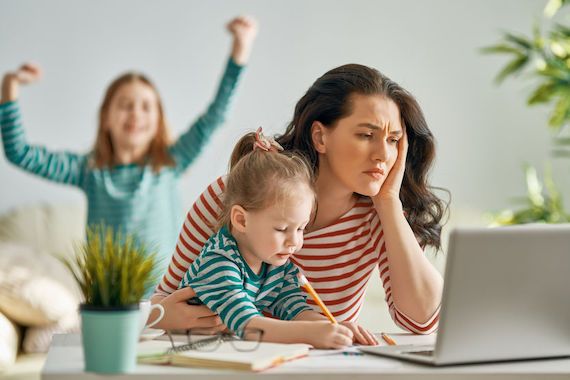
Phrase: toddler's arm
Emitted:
{"points": [[319, 334]]}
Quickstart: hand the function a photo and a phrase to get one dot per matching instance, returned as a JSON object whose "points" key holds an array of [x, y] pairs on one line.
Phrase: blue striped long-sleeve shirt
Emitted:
{"points": [[225, 283], [130, 198]]}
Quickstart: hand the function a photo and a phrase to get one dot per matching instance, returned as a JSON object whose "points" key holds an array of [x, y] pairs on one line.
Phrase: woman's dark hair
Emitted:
{"points": [[329, 99]]}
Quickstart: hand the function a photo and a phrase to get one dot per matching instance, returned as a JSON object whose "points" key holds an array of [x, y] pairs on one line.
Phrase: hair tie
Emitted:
{"points": [[267, 144]]}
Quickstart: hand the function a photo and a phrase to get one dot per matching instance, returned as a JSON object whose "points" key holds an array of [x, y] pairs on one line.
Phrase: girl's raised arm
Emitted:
{"points": [[60, 167], [190, 144]]}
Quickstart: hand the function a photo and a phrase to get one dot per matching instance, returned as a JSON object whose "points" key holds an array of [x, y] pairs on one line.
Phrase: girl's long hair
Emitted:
{"points": [[103, 151]]}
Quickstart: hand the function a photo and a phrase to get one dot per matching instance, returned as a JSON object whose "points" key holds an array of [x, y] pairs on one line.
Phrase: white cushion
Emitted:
{"points": [[9, 341], [36, 289]]}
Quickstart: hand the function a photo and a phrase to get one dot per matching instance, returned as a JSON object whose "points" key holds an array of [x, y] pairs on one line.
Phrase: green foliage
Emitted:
{"points": [[111, 269], [543, 203], [547, 60], [544, 58], [553, 6]]}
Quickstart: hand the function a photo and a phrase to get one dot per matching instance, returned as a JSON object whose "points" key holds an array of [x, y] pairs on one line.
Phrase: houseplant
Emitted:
{"points": [[546, 59], [113, 273]]}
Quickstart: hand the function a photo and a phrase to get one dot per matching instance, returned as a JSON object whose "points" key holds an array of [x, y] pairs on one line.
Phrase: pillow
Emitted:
{"points": [[36, 289], [38, 339], [9, 341]]}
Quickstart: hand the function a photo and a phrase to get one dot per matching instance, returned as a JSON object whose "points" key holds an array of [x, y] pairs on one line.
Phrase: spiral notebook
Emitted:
{"points": [[225, 356]]}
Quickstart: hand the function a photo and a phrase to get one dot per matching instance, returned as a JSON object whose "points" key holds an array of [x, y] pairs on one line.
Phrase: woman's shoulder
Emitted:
{"points": [[211, 199], [217, 187]]}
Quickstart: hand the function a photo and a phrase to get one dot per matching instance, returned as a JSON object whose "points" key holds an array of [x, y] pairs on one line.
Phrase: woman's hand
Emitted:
{"points": [[390, 189], [361, 335], [178, 315], [26, 74], [244, 30]]}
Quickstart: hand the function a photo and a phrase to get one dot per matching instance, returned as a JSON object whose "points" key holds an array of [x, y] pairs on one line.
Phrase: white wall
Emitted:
{"points": [[431, 47]]}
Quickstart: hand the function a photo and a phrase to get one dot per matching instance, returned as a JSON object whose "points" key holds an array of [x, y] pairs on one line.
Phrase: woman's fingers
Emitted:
{"points": [[183, 294], [359, 337], [209, 322], [369, 338], [200, 311]]}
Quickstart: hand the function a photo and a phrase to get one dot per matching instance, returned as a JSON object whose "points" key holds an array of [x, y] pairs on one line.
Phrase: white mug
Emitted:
{"points": [[145, 308]]}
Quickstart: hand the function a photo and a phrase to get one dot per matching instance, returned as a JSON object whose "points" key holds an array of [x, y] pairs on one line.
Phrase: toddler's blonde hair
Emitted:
{"points": [[259, 179]]}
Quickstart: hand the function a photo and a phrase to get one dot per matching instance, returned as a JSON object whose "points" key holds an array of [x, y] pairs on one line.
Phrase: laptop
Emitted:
{"points": [[506, 296]]}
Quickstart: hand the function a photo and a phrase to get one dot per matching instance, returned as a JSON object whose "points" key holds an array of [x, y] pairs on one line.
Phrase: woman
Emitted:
{"points": [[370, 148]]}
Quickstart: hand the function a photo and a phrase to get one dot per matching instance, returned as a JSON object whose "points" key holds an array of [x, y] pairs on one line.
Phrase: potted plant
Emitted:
{"points": [[545, 58], [113, 273]]}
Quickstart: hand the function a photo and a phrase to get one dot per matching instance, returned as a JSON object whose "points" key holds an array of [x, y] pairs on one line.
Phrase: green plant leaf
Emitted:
{"points": [[518, 40], [560, 113], [534, 187], [553, 6], [513, 67], [542, 94], [502, 49], [541, 206]]}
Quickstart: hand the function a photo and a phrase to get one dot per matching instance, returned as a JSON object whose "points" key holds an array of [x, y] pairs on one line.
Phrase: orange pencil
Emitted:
{"points": [[388, 340], [305, 284]]}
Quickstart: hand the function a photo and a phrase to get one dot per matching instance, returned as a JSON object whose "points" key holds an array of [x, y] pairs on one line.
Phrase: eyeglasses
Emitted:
{"points": [[202, 341]]}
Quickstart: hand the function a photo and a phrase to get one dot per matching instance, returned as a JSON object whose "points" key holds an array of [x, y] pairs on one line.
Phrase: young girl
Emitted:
{"points": [[376, 210], [244, 269], [130, 178]]}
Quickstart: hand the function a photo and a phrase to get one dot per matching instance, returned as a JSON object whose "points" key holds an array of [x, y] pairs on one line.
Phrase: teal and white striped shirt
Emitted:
{"points": [[225, 283], [130, 198]]}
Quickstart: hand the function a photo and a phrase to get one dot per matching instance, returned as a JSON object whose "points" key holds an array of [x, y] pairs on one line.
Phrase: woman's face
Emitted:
{"points": [[362, 148]]}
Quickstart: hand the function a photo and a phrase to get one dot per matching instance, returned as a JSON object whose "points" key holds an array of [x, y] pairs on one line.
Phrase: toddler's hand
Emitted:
{"points": [[361, 335], [323, 334]]}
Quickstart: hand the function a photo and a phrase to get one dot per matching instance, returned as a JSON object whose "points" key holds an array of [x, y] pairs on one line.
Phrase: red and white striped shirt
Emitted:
{"points": [[337, 260]]}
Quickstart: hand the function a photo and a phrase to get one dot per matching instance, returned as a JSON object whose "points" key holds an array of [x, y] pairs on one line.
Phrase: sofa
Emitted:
{"points": [[38, 296]]}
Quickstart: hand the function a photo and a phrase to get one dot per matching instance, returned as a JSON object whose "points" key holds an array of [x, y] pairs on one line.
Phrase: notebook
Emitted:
{"points": [[225, 356], [505, 297]]}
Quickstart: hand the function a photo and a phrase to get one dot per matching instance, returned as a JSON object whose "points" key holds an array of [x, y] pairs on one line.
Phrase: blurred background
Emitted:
{"points": [[432, 48], [484, 132]]}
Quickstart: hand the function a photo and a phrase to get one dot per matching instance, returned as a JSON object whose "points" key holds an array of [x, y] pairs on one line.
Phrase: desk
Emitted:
{"points": [[65, 361]]}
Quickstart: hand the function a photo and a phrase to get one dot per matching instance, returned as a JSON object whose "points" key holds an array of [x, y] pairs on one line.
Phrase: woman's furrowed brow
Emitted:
{"points": [[397, 132], [368, 125]]}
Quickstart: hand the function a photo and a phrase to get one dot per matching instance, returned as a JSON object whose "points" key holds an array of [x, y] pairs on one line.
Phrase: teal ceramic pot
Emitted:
{"points": [[110, 337]]}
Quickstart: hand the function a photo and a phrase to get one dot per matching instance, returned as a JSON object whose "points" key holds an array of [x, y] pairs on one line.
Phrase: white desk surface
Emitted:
{"points": [[65, 361]]}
